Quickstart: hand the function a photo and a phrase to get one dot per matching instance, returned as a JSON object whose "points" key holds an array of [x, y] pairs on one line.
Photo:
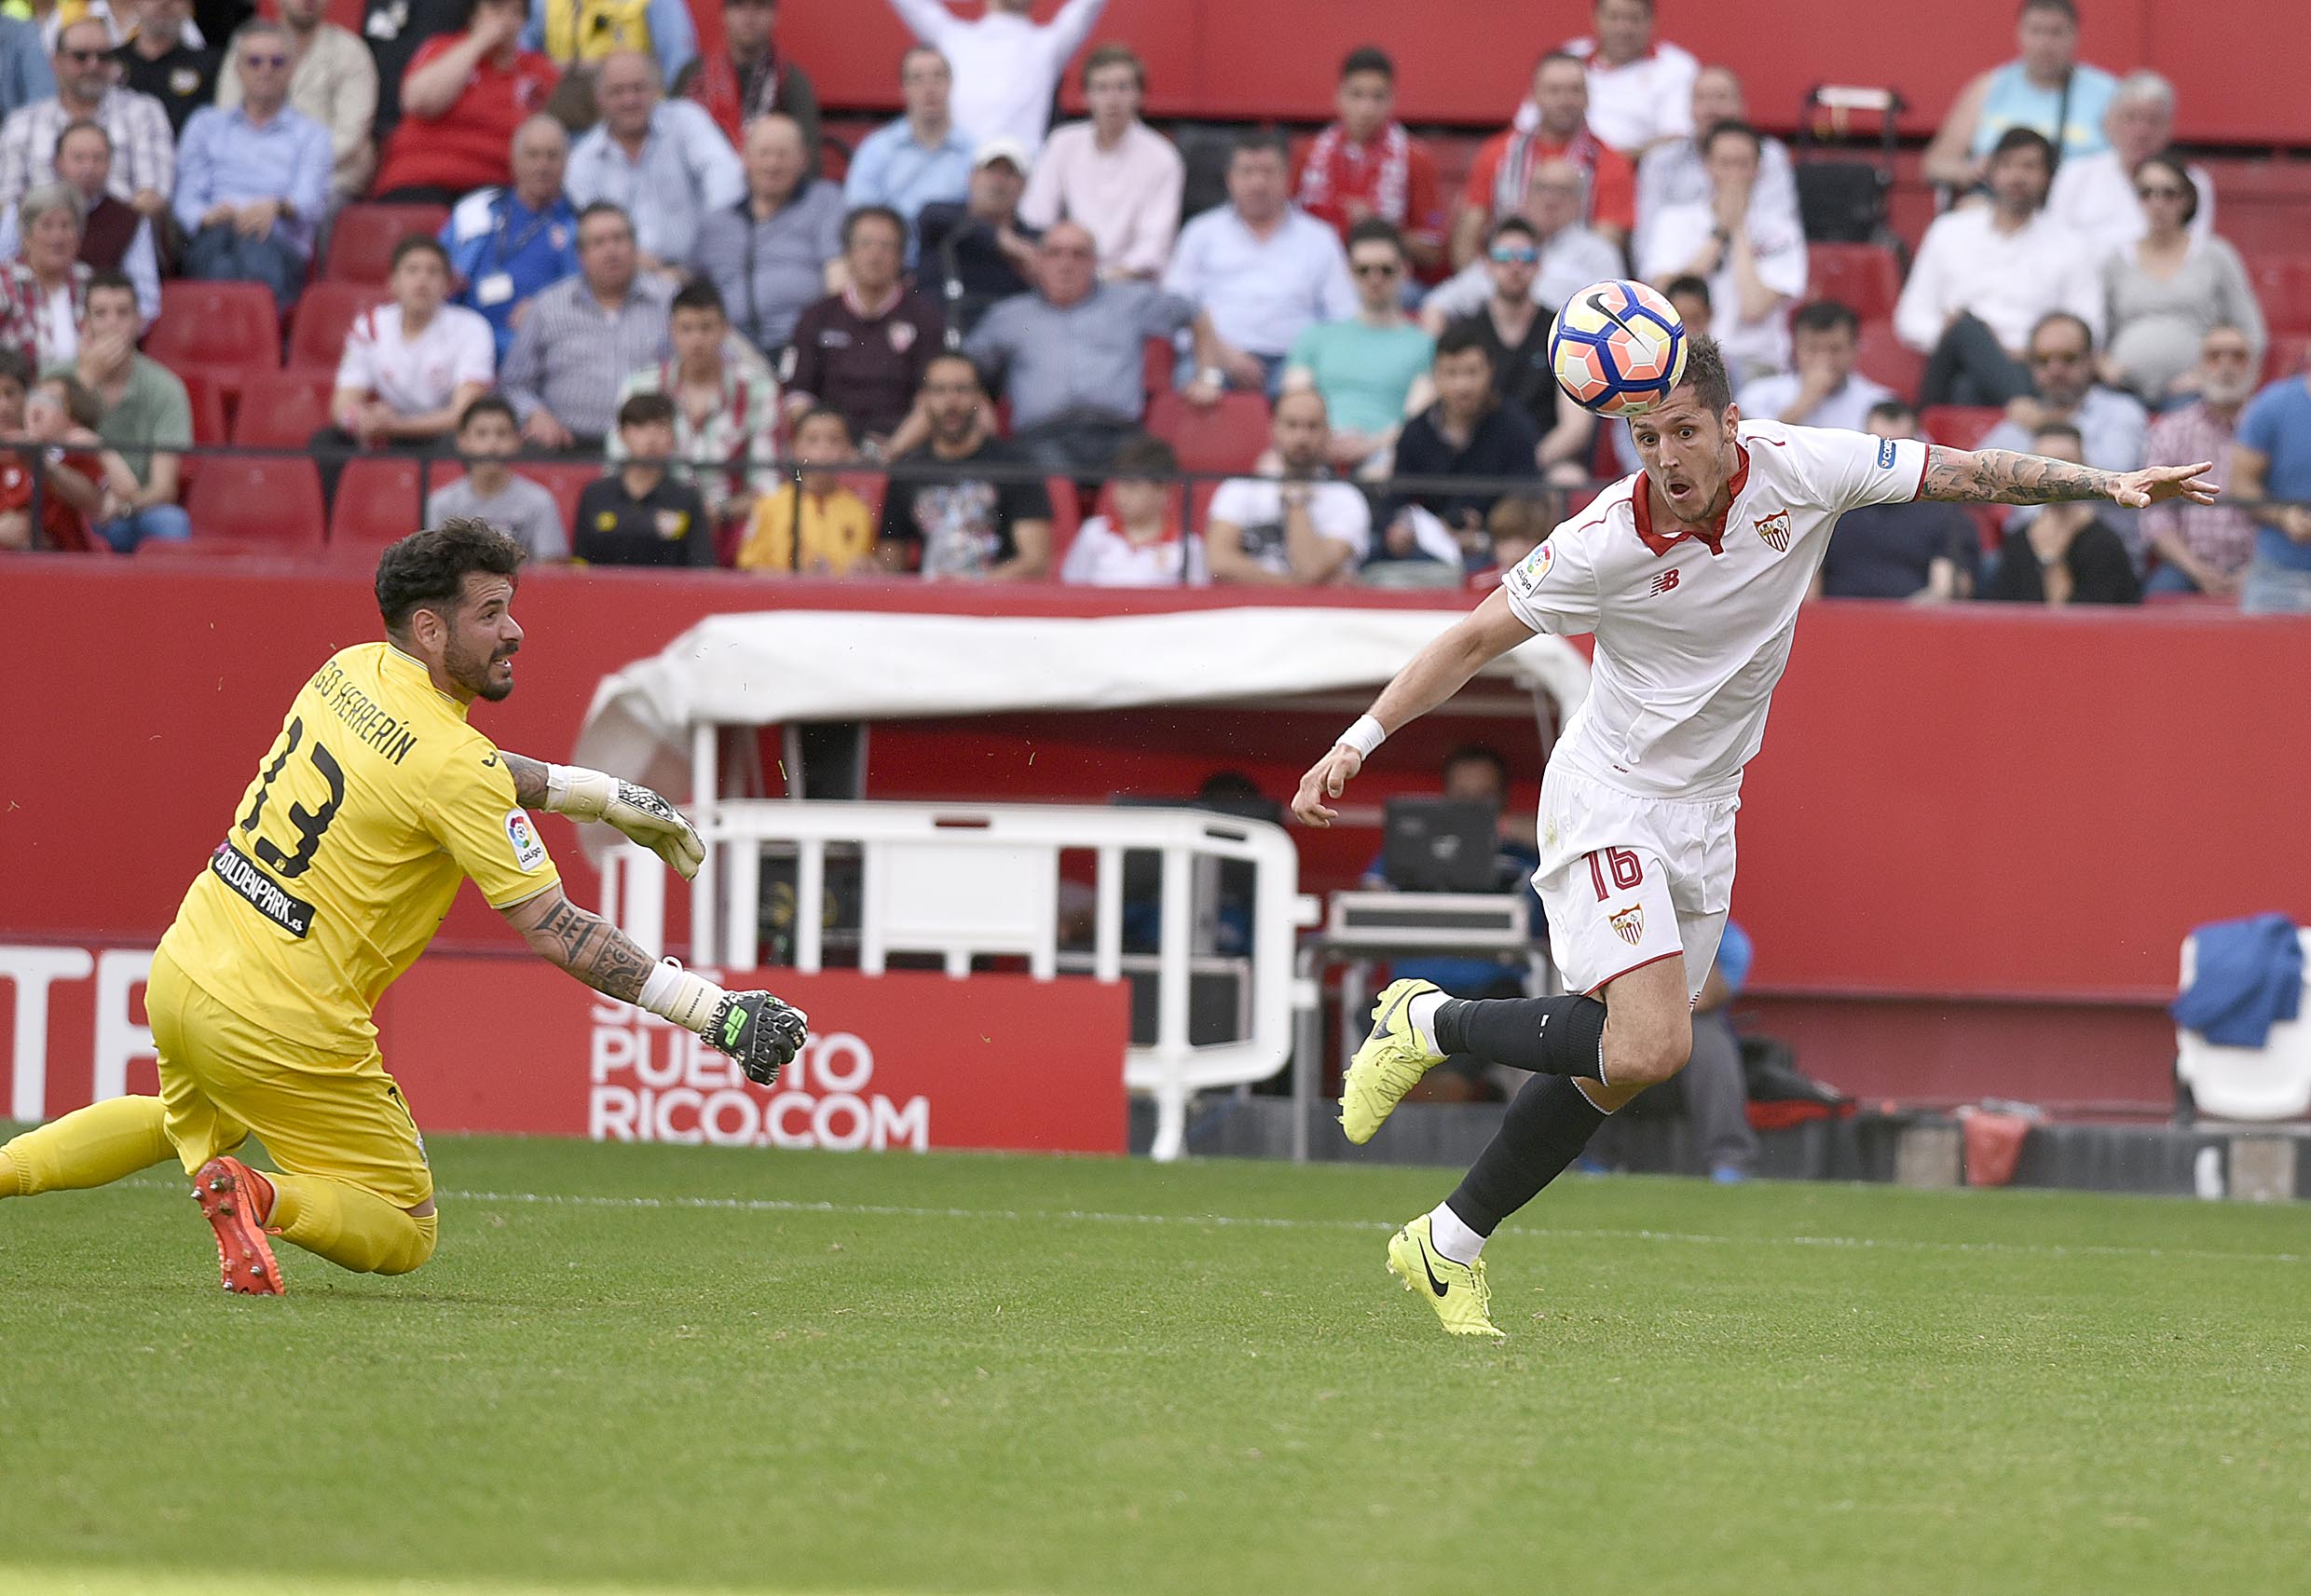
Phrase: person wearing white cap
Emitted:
{"points": [[918, 159], [979, 251], [1006, 65]]}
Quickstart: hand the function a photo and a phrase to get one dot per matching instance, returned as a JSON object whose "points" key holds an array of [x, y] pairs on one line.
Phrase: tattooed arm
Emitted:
{"points": [[640, 813], [583, 943], [529, 779], [1999, 476]]}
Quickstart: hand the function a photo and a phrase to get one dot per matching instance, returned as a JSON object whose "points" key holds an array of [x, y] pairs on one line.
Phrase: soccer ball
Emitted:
{"points": [[1618, 348]]}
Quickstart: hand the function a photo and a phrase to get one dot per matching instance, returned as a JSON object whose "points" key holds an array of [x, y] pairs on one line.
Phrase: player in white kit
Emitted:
{"points": [[1691, 575]]}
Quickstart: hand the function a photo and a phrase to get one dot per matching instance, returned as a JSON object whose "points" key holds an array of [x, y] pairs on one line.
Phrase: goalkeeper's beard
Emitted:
{"points": [[482, 676]]}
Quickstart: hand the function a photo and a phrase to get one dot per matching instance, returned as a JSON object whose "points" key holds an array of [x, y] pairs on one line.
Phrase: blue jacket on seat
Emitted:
{"points": [[2250, 974]]}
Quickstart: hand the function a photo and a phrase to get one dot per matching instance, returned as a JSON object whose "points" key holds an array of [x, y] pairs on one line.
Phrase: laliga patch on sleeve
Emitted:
{"points": [[1885, 454], [530, 849], [1525, 577]]}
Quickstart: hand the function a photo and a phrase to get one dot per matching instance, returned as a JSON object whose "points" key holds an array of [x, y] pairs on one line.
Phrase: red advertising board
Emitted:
{"points": [[904, 1060]]}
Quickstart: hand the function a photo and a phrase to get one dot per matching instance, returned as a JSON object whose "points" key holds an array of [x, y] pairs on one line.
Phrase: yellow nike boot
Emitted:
{"points": [[1388, 1065], [1456, 1291]]}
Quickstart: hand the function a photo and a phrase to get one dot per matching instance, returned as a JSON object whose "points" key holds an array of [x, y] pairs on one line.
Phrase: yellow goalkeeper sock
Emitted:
{"points": [[94, 1146], [352, 1228]]}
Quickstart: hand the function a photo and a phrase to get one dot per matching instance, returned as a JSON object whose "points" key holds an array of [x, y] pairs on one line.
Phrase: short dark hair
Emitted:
{"points": [[699, 294], [1375, 230], [1262, 140], [1509, 225], [488, 405], [1478, 754], [603, 207], [952, 357], [1697, 287], [1825, 316], [80, 401], [2059, 430], [1731, 130], [1531, 514], [2050, 318], [1116, 54], [1892, 410], [418, 244], [82, 125], [1144, 460], [117, 282], [2172, 161], [427, 569], [2064, 7], [1368, 58], [1705, 374], [2014, 139], [646, 409], [15, 364], [1460, 336], [1559, 55], [824, 412], [877, 213]]}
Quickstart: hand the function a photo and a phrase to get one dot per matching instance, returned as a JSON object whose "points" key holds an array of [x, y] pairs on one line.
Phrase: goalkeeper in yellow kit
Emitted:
{"points": [[335, 869]]}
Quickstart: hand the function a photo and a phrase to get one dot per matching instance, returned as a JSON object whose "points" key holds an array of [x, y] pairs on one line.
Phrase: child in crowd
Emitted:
{"points": [[487, 437], [1519, 523], [63, 414], [1142, 543], [814, 526], [641, 515]]}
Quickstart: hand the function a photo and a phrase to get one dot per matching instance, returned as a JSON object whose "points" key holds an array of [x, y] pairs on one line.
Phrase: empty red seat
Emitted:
{"points": [[221, 330], [363, 238], [2282, 284], [2285, 358], [266, 505], [1228, 436], [379, 501], [1959, 426], [324, 315], [1066, 518], [1156, 359], [281, 410], [1864, 278], [1882, 357]]}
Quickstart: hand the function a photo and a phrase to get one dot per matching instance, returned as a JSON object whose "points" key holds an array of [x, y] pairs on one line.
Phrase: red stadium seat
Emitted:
{"points": [[2283, 285], [281, 410], [1066, 519], [378, 502], [221, 330], [363, 237], [564, 481], [324, 315], [1884, 358], [1157, 358], [1959, 426], [2285, 356], [206, 395], [1864, 278], [1228, 436], [266, 505]]}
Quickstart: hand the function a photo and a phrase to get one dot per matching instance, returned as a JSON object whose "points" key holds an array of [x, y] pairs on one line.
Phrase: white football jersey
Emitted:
{"points": [[1693, 630]]}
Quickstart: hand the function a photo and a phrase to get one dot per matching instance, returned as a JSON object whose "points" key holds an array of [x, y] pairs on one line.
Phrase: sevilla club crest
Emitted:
{"points": [[1629, 924], [1774, 530]]}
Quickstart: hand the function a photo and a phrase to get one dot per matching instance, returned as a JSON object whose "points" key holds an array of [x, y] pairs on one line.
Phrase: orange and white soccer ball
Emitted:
{"points": [[1618, 347]]}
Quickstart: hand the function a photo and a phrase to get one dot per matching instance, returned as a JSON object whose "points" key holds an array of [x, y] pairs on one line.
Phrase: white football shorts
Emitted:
{"points": [[1628, 881]]}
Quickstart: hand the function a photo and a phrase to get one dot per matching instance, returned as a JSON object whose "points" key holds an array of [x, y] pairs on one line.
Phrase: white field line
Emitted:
{"points": [[1258, 1221]]}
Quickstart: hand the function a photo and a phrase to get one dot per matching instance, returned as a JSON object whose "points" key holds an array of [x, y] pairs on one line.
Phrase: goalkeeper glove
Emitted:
{"points": [[640, 813], [757, 1029]]}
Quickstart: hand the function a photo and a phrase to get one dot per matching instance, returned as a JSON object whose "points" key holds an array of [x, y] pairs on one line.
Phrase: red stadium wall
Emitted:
{"points": [[2012, 810], [1466, 62]]}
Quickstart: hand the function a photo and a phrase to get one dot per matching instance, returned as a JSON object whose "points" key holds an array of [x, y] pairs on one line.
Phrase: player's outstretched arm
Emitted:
{"points": [[581, 794], [756, 1028], [2001, 476], [1430, 677]]}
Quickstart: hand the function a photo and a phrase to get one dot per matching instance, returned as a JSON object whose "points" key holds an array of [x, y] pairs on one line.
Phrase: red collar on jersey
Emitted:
{"points": [[1641, 503]]}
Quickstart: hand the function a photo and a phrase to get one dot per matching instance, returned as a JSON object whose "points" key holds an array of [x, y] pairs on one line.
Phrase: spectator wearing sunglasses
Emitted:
{"points": [[1512, 325], [2113, 428], [144, 154], [2168, 289], [1372, 367], [1567, 255]]}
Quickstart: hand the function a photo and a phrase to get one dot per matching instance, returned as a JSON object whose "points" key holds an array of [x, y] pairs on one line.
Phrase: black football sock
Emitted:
{"points": [[1549, 1036], [1548, 1122]]}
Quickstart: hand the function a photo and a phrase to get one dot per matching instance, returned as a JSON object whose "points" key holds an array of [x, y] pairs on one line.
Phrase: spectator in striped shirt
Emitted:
{"points": [[143, 149], [1366, 165], [584, 337], [725, 408], [1560, 132], [2203, 548]]}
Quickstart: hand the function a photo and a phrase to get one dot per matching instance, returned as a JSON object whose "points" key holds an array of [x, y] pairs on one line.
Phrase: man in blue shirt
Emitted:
{"points": [[661, 161], [921, 158], [2271, 459], [24, 72], [252, 183], [505, 244]]}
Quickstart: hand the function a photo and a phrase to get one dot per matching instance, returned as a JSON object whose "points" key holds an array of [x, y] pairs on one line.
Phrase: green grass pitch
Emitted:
{"points": [[636, 1368]]}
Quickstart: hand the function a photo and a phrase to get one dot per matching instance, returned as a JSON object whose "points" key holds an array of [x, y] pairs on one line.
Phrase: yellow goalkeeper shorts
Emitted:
{"points": [[317, 1112]]}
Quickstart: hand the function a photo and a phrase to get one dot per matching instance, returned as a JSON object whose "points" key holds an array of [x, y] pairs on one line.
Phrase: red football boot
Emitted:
{"points": [[228, 1191]]}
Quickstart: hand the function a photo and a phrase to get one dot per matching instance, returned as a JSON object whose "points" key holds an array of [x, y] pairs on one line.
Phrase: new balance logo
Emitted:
{"points": [[1664, 582]]}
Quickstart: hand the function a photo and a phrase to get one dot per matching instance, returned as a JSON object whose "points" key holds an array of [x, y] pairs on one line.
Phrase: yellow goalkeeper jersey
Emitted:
{"points": [[347, 850]]}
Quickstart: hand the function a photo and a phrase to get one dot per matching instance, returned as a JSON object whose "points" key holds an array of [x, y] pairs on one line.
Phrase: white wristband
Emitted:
{"points": [[578, 792], [674, 994], [1364, 736]]}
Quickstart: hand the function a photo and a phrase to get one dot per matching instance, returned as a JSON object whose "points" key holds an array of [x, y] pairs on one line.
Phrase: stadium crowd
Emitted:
{"points": [[978, 346]]}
